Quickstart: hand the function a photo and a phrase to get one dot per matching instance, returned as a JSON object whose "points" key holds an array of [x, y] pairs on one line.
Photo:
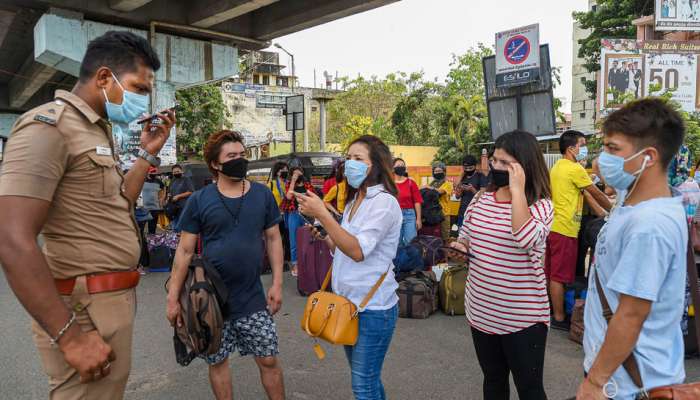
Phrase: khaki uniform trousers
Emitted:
{"points": [[112, 314]]}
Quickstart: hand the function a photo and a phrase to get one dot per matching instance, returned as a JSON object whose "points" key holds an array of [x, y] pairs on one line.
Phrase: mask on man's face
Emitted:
{"points": [[177, 175], [469, 170], [236, 169]]}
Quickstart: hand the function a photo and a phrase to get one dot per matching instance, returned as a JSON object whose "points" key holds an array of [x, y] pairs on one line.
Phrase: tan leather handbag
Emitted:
{"points": [[332, 317]]}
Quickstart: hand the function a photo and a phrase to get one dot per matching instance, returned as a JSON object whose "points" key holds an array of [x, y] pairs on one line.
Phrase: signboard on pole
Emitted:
{"points": [[633, 69], [518, 56], [677, 15], [294, 110], [529, 107]]}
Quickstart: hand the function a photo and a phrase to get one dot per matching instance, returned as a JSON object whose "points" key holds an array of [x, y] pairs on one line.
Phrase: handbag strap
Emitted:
{"points": [[630, 364], [369, 295]]}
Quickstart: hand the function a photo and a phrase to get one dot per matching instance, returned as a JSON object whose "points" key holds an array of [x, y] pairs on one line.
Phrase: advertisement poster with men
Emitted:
{"points": [[678, 15], [633, 69]]}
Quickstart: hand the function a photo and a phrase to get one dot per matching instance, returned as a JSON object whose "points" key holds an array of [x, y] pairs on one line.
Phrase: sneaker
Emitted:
{"points": [[560, 325]]}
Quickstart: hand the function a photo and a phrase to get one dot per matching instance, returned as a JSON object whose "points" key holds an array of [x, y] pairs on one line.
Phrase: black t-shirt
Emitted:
{"points": [[236, 251], [479, 181]]}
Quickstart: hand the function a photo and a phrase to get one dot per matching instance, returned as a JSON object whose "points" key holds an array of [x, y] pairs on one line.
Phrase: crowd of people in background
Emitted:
{"points": [[519, 224]]}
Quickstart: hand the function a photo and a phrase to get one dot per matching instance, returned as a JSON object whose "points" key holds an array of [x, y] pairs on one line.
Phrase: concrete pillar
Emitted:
{"points": [[322, 124], [60, 42]]}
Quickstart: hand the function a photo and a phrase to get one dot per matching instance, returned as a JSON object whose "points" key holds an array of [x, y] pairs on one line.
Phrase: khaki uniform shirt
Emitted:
{"points": [[63, 152]]}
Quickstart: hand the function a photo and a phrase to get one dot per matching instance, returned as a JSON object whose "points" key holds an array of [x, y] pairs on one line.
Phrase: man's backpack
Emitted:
{"points": [[431, 211], [203, 310]]}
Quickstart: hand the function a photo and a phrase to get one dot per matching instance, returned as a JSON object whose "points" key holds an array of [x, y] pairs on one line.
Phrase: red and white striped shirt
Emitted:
{"points": [[506, 286]]}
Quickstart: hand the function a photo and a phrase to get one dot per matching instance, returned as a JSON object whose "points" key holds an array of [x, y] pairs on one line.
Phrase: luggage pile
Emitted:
{"points": [[438, 285]]}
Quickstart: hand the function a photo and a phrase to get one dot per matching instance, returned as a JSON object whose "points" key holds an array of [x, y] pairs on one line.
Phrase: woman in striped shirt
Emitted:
{"points": [[505, 231]]}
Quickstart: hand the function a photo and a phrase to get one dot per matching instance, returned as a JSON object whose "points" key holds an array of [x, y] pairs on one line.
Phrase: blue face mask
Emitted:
{"points": [[612, 168], [355, 172], [133, 106], [582, 153]]}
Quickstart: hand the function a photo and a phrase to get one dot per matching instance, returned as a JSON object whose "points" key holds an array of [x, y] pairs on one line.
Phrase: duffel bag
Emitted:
{"points": [[418, 295], [452, 288]]}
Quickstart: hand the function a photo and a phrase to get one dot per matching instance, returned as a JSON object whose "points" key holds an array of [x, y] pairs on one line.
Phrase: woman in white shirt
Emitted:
{"points": [[365, 244]]}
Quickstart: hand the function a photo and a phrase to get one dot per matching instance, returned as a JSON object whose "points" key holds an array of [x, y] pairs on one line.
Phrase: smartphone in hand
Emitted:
{"points": [[154, 118]]}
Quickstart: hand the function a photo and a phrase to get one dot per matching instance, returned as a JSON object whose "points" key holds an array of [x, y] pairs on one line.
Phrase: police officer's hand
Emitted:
{"points": [[173, 313], [88, 353], [153, 137], [274, 299]]}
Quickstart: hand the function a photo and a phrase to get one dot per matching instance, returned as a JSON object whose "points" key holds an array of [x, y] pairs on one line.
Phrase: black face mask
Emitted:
{"points": [[300, 189], [499, 178], [400, 171], [177, 176], [439, 176], [236, 168], [469, 173], [284, 175]]}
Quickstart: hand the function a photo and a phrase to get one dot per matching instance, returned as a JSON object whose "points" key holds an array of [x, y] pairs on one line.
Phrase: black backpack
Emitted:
{"points": [[431, 210]]}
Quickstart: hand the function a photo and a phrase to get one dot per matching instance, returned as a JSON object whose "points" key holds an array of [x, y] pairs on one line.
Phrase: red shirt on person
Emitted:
{"points": [[409, 194], [328, 184]]}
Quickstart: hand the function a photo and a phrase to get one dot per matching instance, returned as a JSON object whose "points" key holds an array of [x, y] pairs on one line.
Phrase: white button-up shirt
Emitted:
{"points": [[377, 227]]}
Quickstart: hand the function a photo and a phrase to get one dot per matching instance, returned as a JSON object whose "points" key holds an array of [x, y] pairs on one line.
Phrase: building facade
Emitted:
{"points": [[583, 108]]}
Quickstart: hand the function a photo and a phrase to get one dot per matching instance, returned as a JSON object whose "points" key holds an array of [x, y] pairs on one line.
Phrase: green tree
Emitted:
{"points": [[202, 112], [610, 19], [372, 98], [415, 120], [463, 116], [466, 76]]}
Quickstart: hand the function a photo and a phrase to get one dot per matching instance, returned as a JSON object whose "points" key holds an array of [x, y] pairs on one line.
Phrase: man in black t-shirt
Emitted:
{"points": [[231, 217], [471, 182]]}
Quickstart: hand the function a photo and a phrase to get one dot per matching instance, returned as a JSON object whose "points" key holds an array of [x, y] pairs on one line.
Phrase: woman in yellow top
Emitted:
{"points": [[276, 182], [444, 187], [335, 198]]}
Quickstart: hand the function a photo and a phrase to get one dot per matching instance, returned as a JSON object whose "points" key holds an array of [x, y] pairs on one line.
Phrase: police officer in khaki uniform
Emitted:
{"points": [[61, 177]]}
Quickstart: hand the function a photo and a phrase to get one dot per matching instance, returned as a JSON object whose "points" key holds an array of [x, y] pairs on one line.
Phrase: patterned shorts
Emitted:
{"points": [[254, 334]]}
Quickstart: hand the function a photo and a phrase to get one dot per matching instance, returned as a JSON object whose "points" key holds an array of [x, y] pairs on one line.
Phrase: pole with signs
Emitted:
{"points": [[294, 110]]}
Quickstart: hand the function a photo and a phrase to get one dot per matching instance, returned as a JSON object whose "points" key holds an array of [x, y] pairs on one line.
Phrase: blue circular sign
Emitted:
{"points": [[517, 49]]}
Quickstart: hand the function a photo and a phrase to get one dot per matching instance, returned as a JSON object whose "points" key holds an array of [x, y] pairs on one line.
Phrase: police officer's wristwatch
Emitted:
{"points": [[153, 160]]}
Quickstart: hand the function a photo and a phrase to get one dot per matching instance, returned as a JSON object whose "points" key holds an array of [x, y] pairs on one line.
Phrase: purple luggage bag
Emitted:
{"points": [[313, 261]]}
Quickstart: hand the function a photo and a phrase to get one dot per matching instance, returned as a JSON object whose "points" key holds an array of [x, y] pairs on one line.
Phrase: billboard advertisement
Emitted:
{"points": [[677, 15], [518, 56], [632, 69]]}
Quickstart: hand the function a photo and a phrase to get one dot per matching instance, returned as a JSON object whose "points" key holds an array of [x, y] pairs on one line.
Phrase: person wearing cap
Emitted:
{"points": [[444, 187], [61, 177]]}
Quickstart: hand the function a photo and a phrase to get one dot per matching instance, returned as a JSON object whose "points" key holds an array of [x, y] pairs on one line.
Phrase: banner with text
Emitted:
{"points": [[633, 69]]}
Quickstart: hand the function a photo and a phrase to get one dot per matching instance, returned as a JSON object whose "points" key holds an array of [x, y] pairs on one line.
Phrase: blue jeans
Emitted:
{"points": [[408, 227], [366, 357], [293, 221]]}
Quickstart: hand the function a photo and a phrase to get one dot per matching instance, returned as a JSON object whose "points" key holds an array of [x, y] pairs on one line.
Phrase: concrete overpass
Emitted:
{"points": [[43, 41]]}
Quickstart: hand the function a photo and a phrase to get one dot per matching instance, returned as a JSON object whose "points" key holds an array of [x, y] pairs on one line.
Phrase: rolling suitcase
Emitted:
{"points": [[313, 262], [452, 287]]}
